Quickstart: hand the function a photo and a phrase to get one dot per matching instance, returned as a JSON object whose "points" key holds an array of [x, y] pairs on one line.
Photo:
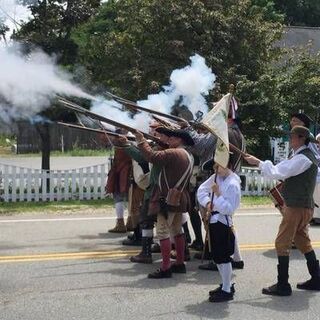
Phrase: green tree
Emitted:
{"points": [[132, 46], [269, 10], [51, 24], [300, 12], [298, 83]]}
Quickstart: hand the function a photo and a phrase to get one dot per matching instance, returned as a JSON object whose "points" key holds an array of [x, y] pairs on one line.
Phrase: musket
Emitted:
{"points": [[73, 106], [165, 123], [109, 133], [135, 106]]}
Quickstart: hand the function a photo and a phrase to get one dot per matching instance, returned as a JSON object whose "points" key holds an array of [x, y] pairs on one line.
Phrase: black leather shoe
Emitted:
{"points": [[237, 264], [132, 242], [160, 274], [213, 292], [278, 290], [221, 296], [312, 284], [178, 268], [211, 266]]}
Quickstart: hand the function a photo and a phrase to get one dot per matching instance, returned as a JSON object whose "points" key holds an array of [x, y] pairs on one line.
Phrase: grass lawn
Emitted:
{"points": [[256, 201], [7, 208], [72, 206]]}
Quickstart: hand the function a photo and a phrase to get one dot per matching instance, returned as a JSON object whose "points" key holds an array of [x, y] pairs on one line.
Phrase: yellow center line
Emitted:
{"points": [[112, 254]]}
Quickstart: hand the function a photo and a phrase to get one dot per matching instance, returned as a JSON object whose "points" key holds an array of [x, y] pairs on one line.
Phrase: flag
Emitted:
{"points": [[216, 122]]}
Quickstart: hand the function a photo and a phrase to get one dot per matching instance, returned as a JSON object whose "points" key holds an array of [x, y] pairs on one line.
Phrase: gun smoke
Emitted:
{"points": [[29, 83], [188, 86]]}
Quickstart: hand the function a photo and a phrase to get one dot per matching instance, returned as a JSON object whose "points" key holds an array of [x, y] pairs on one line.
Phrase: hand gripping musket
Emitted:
{"points": [[109, 133], [73, 106], [131, 105]]}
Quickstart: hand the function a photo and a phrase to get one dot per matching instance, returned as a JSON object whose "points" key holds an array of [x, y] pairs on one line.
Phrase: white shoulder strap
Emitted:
{"points": [[185, 176]]}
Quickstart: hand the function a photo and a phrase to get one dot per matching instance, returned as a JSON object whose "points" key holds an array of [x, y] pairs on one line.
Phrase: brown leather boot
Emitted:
{"points": [[119, 228], [145, 256]]}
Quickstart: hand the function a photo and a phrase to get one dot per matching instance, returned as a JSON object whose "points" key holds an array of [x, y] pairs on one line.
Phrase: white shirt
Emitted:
{"points": [[227, 202], [286, 168]]}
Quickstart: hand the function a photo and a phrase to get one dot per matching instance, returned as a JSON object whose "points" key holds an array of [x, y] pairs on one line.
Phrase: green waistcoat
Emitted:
{"points": [[298, 190]]}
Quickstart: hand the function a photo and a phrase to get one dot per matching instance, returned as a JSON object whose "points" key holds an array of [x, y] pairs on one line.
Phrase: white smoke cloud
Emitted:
{"points": [[113, 110], [190, 84], [27, 85]]}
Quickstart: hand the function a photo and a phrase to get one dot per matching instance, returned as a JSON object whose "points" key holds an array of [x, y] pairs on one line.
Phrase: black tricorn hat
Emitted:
{"points": [[183, 134], [303, 117]]}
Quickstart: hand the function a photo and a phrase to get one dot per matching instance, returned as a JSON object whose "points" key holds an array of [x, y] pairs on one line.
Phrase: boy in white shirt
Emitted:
{"points": [[220, 195]]}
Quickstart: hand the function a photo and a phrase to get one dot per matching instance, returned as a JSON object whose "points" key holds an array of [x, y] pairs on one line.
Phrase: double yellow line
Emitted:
{"points": [[69, 256], [111, 254]]}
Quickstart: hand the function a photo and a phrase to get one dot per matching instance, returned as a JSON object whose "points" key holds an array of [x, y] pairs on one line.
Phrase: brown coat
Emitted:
{"points": [[120, 173], [175, 161]]}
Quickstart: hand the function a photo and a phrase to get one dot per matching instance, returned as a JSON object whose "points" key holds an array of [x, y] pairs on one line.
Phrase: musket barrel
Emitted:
{"points": [[109, 133], [75, 107], [133, 105]]}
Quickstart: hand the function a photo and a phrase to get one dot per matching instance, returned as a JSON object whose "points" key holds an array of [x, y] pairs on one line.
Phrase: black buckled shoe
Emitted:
{"points": [[277, 289], [211, 266], [221, 296], [178, 268], [213, 292], [160, 274]]}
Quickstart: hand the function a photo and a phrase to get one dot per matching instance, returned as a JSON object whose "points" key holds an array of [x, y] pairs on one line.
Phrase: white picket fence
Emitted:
{"points": [[255, 184], [25, 184]]}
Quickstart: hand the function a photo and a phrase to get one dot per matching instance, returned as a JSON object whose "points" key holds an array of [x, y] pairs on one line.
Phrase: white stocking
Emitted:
{"points": [[225, 270], [119, 209]]}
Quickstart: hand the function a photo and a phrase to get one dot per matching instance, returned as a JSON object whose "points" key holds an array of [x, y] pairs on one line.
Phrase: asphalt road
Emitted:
{"points": [[68, 267]]}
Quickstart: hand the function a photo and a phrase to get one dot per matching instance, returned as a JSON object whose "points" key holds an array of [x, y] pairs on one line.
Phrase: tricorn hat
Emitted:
{"points": [[303, 132], [303, 117], [183, 134]]}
